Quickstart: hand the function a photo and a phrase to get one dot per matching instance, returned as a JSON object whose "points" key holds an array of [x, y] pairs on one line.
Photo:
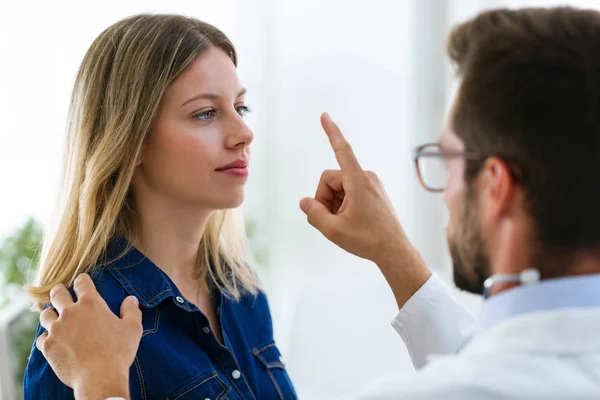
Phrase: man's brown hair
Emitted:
{"points": [[530, 94]]}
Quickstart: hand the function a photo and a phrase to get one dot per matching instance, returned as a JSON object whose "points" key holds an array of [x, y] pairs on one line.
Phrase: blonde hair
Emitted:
{"points": [[117, 93]]}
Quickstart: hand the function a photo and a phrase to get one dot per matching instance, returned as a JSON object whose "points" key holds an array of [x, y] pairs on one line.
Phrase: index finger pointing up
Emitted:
{"points": [[343, 151]]}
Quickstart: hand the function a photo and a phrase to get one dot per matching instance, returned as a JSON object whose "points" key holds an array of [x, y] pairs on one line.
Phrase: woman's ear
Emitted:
{"points": [[139, 159]]}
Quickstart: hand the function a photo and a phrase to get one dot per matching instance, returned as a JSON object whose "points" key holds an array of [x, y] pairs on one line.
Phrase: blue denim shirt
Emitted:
{"points": [[179, 356]]}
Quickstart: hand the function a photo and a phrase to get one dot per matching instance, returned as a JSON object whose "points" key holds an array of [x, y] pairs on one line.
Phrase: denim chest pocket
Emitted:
{"points": [[204, 387], [270, 359]]}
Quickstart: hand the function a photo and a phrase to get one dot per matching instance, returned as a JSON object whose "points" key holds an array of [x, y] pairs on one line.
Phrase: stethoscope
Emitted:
{"points": [[526, 277]]}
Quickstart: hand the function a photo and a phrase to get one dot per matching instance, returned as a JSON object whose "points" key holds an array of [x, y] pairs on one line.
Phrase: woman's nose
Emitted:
{"points": [[239, 135]]}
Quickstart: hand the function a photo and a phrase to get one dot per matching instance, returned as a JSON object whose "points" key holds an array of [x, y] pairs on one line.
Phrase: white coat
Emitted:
{"points": [[549, 355]]}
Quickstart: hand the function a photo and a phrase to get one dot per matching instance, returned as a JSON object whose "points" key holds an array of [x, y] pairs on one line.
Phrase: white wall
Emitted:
{"points": [[362, 63]]}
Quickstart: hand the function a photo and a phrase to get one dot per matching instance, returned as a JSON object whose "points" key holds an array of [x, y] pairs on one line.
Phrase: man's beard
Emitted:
{"points": [[467, 249]]}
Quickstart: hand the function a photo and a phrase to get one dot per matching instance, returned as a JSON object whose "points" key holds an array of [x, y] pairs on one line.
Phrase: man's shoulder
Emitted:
{"points": [[440, 380], [498, 376]]}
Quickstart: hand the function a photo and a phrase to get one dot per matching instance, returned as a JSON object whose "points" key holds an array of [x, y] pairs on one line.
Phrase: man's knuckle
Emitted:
{"points": [[372, 176], [333, 232], [39, 341], [55, 289], [79, 281], [49, 343], [85, 300], [47, 313], [67, 312], [345, 147], [137, 328]]}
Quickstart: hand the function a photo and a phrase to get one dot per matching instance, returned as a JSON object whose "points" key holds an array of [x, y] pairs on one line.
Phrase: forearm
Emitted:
{"points": [[101, 387], [405, 271]]}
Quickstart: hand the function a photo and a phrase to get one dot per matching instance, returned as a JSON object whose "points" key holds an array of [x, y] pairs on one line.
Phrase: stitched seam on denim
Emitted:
{"points": [[164, 291], [156, 324], [222, 395], [264, 348], [165, 280], [140, 378], [127, 283], [275, 384], [243, 375], [247, 384], [129, 286], [258, 354], [216, 357], [269, 365], [192, 388], [228, 376], [132, 265], [227, 389]]}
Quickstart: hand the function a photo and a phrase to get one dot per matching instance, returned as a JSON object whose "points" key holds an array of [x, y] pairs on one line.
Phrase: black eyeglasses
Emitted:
{"points": [[430, 162]]}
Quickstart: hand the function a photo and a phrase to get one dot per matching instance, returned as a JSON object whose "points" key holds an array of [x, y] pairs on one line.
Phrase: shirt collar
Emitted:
{"points": [[140, 277], [569, 292]]}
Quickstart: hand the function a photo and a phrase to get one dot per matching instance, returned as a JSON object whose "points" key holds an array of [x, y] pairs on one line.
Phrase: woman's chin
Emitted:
{"points": [[221, 200], [231, 203]]}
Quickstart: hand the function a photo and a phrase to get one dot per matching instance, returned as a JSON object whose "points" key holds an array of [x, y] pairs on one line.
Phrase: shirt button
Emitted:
{"points": [[179, 299], [206, 330], [236, 374]]}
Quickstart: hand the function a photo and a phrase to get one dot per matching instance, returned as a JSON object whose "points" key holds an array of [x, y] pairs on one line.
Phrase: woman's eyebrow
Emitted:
{"points": [[211, 96]]}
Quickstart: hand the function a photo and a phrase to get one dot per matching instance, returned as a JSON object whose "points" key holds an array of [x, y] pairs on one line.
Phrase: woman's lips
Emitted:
{"points": [[235, 171], [237, 168]]}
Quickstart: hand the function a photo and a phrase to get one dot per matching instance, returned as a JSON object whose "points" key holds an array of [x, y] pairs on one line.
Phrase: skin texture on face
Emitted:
{"points": [[471, 265], [489, 229], [198, 131]]}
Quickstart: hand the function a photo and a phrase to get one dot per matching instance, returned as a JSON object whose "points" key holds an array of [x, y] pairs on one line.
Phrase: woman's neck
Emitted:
{"points": [[170, 236]]}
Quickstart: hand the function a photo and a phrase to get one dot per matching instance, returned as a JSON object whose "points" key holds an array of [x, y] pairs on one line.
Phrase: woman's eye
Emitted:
{"points": [[205, 115], [243, 110]]}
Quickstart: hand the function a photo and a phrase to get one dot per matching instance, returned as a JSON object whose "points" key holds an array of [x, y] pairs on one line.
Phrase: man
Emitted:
{"points": [[518, 165]]}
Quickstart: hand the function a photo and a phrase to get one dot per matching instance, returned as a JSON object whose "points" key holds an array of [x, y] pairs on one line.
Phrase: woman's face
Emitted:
{"points": [[197, 152]]}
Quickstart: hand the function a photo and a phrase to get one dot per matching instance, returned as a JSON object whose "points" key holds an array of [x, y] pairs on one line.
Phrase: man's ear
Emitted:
{"points": [[498, 187]]}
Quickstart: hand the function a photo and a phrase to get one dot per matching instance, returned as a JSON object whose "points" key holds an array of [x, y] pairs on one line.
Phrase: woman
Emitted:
{"points": [[157, 156]]}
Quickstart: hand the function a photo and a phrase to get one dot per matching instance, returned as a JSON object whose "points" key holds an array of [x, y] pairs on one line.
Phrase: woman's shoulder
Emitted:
{"points": [[40, 382], [109, 288], [253, 300], [251, 308]]}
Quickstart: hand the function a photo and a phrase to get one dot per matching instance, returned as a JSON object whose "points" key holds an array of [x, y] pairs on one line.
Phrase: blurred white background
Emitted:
{"points": [[378, 67]]}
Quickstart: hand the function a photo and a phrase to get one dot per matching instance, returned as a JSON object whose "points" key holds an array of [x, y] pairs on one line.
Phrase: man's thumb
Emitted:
{"points": [[130, 310], [316, 213]]}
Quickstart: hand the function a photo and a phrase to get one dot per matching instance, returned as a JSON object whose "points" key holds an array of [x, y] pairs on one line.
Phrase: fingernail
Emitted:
{"points": [[134, 300], [303, 205], [327, 116]]}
